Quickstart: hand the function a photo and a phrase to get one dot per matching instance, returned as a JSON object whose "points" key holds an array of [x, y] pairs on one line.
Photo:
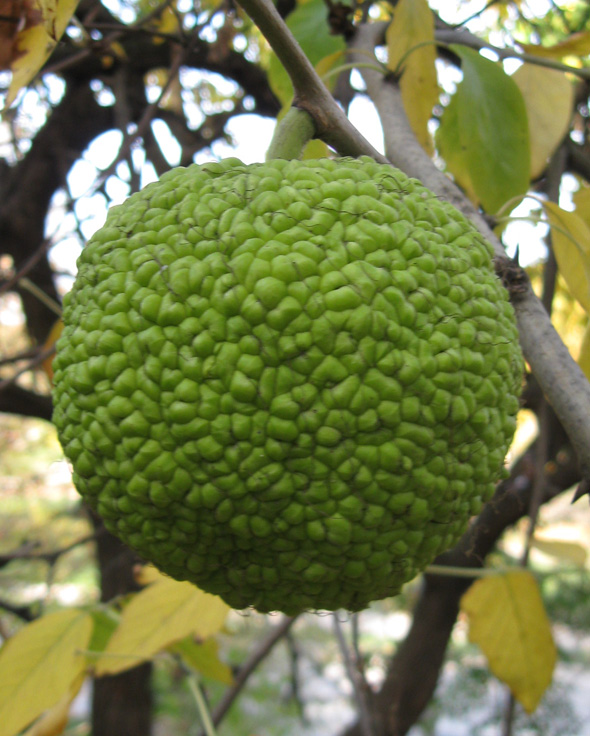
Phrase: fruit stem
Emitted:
{"points": [[462, 572], [206, 721], [291, 135]]}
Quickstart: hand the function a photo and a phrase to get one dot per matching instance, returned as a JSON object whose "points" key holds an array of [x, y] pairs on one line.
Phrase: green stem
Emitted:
{"points": [[208, 726], [400, 64], [346, 67], [26, 283], [291, 135], [461, 572]]}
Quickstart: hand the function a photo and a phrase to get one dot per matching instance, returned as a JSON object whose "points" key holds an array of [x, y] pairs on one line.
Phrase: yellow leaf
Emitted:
{"points": [[570, 238], [562, 550], [507, 620], [327, 68], [581, 200], [55, 720], [578, 44], [118, 50], [548, 97], [204, 658], [584, 355], [36, 43], [149, 574], [167, 23], [156, 617], [52, 338], [315, 149], [413, 24], [39, 665]]}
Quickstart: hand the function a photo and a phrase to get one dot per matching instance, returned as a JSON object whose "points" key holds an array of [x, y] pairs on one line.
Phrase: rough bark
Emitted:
{"points": [[121, 704]]}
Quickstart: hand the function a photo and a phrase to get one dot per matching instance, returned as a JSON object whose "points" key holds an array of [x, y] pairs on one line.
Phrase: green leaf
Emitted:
{"points": [[508, 621], [105, 623], [40, 664], [309, 24], [491, 130], [448, 141], [204, 658]]}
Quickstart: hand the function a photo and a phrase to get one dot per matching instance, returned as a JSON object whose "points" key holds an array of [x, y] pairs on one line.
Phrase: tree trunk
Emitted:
{"points": [[121, 704]]}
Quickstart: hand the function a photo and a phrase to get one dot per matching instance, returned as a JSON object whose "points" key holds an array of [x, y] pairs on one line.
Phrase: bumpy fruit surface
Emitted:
{"points": [[291, 383]]}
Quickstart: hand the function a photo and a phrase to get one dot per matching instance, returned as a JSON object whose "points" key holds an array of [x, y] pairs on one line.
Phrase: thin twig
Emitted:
{"points": [[294, 672], [104, 43], [26, 267], [26, 284], [26, 553], [33, 363], [258, 655], [147, 117], [359, 684], [464, 38]]}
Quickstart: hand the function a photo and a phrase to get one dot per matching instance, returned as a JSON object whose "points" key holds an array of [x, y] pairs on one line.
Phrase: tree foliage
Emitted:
{"points": [[499, 99]]}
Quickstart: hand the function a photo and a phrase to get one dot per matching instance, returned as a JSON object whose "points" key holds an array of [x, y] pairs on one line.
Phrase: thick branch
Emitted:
{"points": [[562, 381], [311, 95], [18, 400]]}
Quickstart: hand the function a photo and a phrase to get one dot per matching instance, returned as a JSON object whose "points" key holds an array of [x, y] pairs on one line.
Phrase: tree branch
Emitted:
{"points": [[561, 379], [449, 35], [255, 658], [311, 95]]}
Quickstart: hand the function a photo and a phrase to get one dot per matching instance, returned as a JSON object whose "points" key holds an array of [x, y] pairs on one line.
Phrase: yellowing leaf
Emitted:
{"points": [[163, 613], [562, 550], [204, 658], [570, 238], [413, 24], [167, 23], [52, 338], [39, 665], [548, 97], [55, 720], [578, 44], [507, 620], [35, 44], [148, 574], [581, 200], [584, 355], [315, 149]]}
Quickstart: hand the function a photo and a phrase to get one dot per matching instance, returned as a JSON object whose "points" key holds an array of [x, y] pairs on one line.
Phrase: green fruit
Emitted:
{"points": [[291, 383]]}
